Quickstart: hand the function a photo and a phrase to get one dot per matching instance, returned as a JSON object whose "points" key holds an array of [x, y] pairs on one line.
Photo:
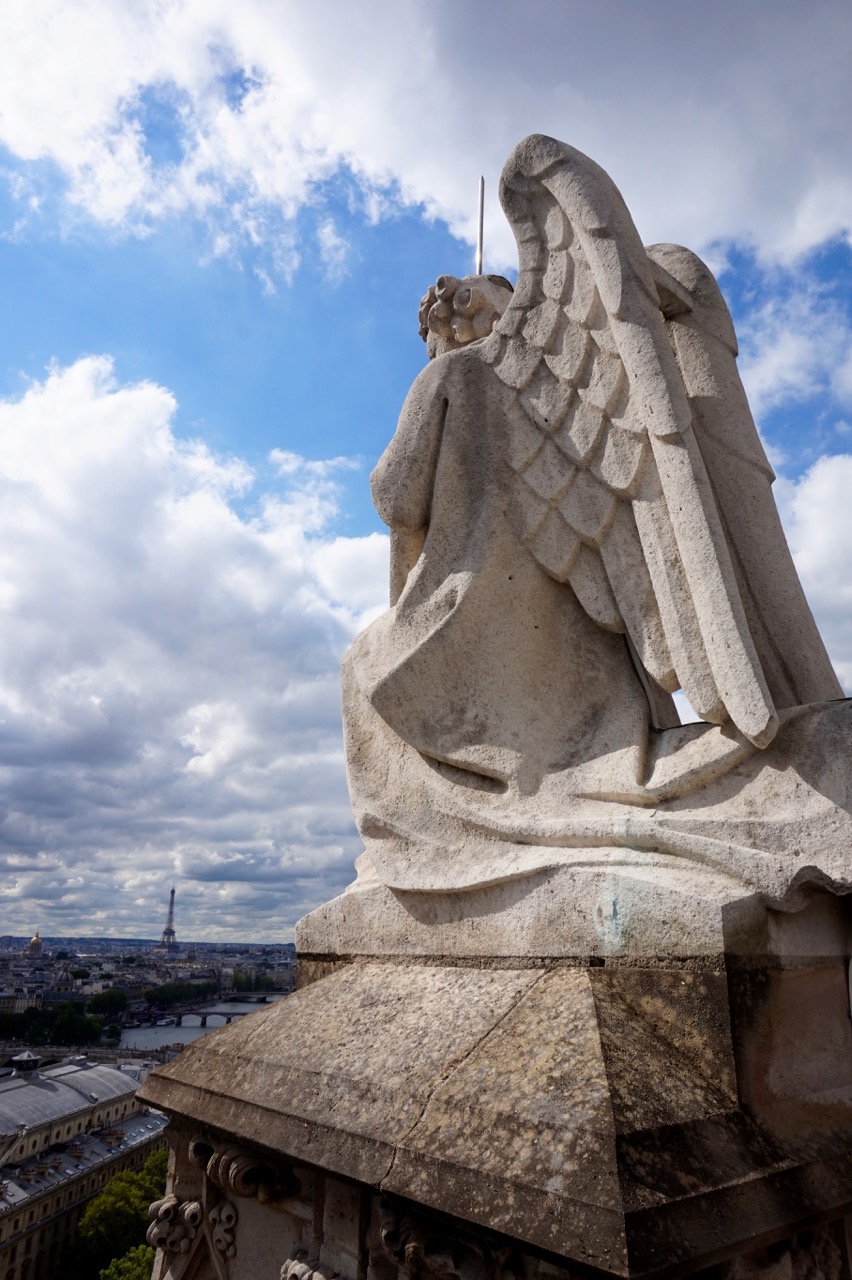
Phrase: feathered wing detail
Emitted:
{"points": [[612, 493], [791, 652]]}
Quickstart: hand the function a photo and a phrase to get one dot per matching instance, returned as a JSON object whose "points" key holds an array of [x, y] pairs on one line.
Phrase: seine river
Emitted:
{"points": [[143, 1039]]}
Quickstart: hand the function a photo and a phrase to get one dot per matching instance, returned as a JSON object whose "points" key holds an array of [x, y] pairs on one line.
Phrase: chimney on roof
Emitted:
{"points": [[26, 1064]]}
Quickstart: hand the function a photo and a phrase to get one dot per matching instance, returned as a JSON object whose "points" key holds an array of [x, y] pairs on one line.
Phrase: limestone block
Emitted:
{"points": [[619, 1113], [399, 1240]]}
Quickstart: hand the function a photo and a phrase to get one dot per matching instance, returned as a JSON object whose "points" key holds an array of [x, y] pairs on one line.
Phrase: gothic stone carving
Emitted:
{"points": [[223, 1221], [243, 1173], [455, 312], [426, 1248], [300, 1267], [199, 1236], [174, 1225]]}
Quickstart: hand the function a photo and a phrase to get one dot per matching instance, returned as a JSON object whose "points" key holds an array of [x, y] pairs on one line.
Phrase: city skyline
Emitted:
{"points": [[216, 223]]}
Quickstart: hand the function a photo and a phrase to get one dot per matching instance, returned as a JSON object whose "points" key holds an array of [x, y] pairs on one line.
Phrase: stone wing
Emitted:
{"points": [[792, 655], [612, 496]]}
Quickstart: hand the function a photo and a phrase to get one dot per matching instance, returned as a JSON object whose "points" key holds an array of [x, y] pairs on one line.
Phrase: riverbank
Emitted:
{"points": [[109, 1054], [152, 1037]]}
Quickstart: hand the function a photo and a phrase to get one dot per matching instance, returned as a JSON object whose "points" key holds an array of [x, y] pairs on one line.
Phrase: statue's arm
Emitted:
{"points": [[404, 477]]}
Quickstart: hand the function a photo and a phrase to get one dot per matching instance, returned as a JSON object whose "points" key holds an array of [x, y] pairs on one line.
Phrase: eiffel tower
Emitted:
{"points": [[168, 939]]}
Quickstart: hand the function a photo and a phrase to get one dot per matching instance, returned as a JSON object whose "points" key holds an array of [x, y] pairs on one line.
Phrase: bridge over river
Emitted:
{"points": [[189, 1022], [222, 1018]]}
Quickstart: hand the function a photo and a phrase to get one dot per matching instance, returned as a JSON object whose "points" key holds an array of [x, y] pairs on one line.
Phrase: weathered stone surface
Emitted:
{"points": [[521, 1131], [604, 879], [455, 312], [600, 907], [332, 1228], [626, 1118], [347, 1065], [582, 522]]}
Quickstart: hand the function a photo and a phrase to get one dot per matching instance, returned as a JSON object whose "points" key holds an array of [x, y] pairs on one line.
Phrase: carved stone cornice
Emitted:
{"points": [[198, 1236], [425, 1247], [242, 1172], [223, 1228], [174, 1224], [300, 1267], [186, 1229]]}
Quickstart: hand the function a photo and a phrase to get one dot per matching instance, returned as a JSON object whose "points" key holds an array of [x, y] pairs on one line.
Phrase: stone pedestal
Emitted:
{"points": [[440, 1115]]}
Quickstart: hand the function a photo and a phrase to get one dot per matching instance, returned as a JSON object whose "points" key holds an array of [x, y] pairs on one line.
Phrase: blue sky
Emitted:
{"points": [[216, 222], [249, 369]]}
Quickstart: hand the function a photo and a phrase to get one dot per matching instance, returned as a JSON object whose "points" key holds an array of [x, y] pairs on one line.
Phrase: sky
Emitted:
{"points": [[216, 222]]}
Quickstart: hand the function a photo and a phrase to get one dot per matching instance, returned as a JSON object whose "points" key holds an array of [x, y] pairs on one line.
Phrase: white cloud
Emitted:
{"points": [[842, 378], [168, 669], [815, 512], [717, 122], [318, 469], [796, 346], [334, 249], [349, 568]]}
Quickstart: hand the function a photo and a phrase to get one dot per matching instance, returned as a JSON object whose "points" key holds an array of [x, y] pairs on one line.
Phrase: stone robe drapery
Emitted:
{"points": [[485, 663]]}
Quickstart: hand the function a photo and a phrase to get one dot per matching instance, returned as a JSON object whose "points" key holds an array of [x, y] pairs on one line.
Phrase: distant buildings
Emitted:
{"points": [[64, 1132], [18, 1000], [71, 971]]}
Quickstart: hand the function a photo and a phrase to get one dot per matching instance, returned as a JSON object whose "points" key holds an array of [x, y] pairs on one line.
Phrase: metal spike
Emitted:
{"points": [[479, 233]]}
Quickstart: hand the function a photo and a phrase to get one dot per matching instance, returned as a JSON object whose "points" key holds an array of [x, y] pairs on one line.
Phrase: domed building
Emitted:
{"points": [[63, 983]]}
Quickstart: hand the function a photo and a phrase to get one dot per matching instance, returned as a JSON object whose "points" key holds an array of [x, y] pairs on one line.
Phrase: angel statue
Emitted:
{"points": [[581, 525]]}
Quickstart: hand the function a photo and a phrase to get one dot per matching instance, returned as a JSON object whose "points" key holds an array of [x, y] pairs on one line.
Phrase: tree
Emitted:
{"points": [[136, 1264], [179, 993], [154, 1173], [36, 1025], [113, 1032], [115, 1221], [110, 1002], [81, 973], [72, 1027], [62, 955]]}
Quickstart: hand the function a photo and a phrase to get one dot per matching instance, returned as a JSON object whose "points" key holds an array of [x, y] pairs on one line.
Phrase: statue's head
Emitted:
{"points": [[455, 312]]}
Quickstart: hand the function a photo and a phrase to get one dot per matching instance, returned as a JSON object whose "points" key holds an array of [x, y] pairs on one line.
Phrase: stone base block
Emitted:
{"points": [[602, 1114]]}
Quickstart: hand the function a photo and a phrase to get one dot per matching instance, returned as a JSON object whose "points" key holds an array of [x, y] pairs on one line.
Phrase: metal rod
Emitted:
{"points": [[479, 234]]}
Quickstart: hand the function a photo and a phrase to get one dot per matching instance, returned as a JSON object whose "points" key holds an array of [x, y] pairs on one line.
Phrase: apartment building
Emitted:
{"points": [[64, 1132]]}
